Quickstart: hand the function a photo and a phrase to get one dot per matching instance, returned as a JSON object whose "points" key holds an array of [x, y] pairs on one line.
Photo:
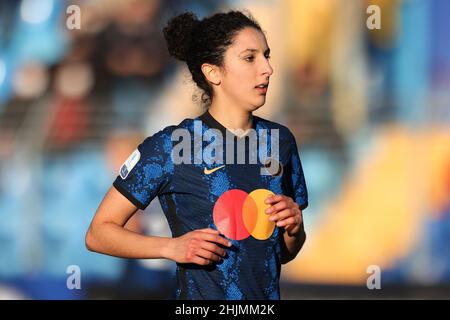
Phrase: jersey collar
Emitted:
{"points": [[212, 123]]}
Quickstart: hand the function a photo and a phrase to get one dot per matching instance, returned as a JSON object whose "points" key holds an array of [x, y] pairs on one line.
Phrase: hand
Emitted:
{"points": [[286, 213], [198, 246]]}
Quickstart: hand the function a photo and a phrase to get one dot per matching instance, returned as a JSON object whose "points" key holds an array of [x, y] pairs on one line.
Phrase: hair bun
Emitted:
{"points": [[178, 32]]}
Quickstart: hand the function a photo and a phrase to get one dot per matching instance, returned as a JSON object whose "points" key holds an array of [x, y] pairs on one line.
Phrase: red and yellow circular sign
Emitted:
{"points": [[238, 214]]}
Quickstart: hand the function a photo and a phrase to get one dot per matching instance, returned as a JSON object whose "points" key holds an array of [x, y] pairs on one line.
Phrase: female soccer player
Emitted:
{"points": [[234, 207]]}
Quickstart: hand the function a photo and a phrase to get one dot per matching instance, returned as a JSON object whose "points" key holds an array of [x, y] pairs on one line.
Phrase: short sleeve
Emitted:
{"points": [[296, 177], [148, 170]]}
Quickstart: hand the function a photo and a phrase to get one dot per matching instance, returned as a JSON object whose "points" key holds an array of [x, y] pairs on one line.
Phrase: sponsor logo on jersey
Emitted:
{"points": [[129, 164]]}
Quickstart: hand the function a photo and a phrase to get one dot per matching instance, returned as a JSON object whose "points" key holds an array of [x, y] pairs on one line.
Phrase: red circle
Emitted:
{"points": [[227, 214]]}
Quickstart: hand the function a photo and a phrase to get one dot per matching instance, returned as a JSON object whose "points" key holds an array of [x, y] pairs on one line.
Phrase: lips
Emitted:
{"points": [[262, 88]]}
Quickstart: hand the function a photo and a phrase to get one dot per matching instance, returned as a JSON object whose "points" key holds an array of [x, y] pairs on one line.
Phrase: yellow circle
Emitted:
{"points": [[258, 224]]}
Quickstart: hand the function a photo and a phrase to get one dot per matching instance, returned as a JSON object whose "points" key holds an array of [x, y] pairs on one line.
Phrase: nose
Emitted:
{"points": [[267, 68]]}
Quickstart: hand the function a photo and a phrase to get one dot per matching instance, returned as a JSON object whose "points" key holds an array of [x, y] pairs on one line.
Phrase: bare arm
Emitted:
{"points": [[107, 235], [292, 245]]}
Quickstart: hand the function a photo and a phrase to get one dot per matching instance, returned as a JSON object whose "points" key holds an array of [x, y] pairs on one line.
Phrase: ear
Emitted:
{"points": [[212, 73]]}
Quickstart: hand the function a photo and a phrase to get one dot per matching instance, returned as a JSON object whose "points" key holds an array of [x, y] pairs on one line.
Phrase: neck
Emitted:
{"points": [[232, 118]]}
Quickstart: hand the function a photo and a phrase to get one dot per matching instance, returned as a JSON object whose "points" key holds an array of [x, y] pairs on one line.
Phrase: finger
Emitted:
{"points": [[289, 228], [201, 261], [205, 254], [286, 213], [286, 222], [298, 220], [213, 248], [277, 207], [273, 198], [215, 238], [212, 231]]}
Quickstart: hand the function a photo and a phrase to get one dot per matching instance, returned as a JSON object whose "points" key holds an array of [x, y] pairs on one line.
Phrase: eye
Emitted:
{"points": [[250, 59], [267, 56]]}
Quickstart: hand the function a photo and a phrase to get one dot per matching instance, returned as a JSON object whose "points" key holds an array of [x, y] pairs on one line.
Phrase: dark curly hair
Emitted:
{"points": [[204, 41]]}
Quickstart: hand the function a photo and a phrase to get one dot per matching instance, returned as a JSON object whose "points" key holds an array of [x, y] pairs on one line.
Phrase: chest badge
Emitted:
{"points": [[273, 167]]}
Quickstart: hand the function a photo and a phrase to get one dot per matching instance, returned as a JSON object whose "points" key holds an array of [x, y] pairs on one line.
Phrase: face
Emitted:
{"points": [[246, 66]]}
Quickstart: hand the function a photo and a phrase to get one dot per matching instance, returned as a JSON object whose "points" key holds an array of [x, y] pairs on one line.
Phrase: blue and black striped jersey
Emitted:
{"points": [[204, 179]]}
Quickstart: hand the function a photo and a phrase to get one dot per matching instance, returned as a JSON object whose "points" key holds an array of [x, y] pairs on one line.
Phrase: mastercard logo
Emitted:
{"points": [[238, 214]]}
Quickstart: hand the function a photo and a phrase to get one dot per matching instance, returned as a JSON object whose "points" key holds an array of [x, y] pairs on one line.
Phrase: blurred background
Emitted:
{"points": [[370, 110]]}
